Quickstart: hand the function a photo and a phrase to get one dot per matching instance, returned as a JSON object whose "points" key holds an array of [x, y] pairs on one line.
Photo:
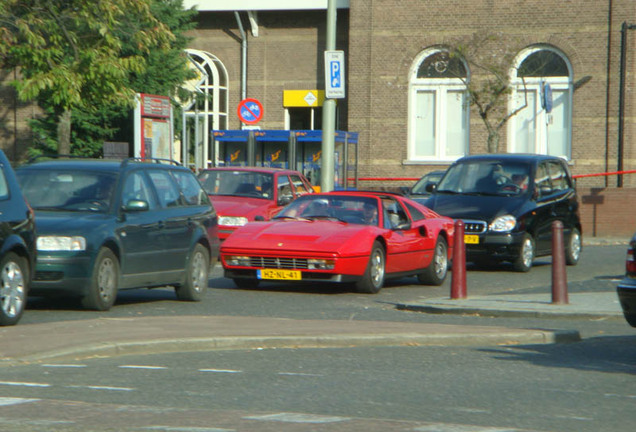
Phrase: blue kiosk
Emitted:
{"points": [[292, 149]]}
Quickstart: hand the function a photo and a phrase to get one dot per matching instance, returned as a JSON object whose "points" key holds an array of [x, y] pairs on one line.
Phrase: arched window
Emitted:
{"points": [[542, 81], [207, 112], [438, 107]]}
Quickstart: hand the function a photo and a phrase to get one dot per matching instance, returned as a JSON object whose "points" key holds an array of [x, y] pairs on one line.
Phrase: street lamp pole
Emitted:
{"points": [[328, 112]]}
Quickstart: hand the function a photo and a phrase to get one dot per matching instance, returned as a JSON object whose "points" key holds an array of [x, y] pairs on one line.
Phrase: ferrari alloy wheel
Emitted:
{"points": [[196, 277], [573, 249], [373, 278], [523, 263], [102, 291], [13, 288], [436, 272]]}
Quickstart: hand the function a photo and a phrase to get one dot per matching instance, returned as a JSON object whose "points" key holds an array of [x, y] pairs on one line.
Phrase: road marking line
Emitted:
{"points": [[102, 387], [6, 401], [24, 384], [220, 370], [141, 367]]}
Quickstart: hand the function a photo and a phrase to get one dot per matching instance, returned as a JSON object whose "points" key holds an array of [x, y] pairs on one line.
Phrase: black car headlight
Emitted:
{"points": [[504, 223]]}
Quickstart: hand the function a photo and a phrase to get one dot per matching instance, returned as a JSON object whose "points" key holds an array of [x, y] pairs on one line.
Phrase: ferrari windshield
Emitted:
{"points": [[237, 183], [349, 209], [488, 177]]}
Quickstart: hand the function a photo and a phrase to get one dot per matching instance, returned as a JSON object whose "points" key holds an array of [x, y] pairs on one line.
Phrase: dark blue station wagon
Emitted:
{"points": [[106, 225]]}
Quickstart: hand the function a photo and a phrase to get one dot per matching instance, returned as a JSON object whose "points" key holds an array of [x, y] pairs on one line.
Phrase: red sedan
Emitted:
{"points": [[242, 194], [358, 237]]}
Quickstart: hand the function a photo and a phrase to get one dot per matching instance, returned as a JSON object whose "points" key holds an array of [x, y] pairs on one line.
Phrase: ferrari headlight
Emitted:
{"points": [[234, 260], [61, 243], [503, 224], [232, 220], [321, 264]]}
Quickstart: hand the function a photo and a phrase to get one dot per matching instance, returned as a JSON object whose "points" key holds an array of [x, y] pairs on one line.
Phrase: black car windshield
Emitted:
{"points": [[67, 190], [237, 183], [486, 177]]}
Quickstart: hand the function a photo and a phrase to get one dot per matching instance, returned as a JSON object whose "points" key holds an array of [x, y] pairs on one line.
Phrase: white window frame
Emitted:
{"points": [[440, 87], [542, 118]]}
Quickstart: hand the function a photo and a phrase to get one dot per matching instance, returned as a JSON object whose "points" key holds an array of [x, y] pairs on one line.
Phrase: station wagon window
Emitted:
{"points": [[191, 189], [136, 188], [166, 187]]}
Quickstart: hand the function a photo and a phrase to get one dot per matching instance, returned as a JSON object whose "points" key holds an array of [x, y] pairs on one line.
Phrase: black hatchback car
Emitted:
{"points": [[508, 203], [106, 225], [17, 246], [626, 288]]}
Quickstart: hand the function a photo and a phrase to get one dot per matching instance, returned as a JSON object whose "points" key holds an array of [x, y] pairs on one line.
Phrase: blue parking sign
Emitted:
{"points": [[334, 75]]}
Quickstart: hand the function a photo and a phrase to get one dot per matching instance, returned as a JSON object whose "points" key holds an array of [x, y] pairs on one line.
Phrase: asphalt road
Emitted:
{"points": [[583, 386]]}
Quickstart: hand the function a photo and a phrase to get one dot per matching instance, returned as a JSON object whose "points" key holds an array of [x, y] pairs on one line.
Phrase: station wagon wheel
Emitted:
{"points": [[196, 278], [436, 272], [573, 249], [102, 291], [373, 277], [13, 288], [523, 263]]}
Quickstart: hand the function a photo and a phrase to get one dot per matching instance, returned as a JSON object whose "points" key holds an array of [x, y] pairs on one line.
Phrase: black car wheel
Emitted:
{"points": [[373, 278], [523, 263], [436, 272], [196, 275], [13, 289], [104, 283], [573, 249]]}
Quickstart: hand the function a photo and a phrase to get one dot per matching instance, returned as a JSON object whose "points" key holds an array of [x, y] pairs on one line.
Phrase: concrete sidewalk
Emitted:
{"points": [[591, 305], [75, 340]]}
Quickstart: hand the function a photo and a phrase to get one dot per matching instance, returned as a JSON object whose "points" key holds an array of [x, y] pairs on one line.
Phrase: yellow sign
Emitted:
{"points": [[303, 98]]}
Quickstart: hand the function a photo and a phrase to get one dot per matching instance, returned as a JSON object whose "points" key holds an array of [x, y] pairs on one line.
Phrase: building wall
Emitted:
{"points": [[386, 36]]}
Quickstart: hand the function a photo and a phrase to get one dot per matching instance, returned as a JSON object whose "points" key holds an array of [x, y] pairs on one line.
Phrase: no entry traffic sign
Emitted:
{"points": [[250, 111]]}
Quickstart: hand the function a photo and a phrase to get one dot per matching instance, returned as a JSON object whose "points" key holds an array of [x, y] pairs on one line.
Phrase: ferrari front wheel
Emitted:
{"points": [[373, 278]]}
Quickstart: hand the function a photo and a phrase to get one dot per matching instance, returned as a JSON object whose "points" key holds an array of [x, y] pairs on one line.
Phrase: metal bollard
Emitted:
{"points": [[458, 277], [559, 279]]}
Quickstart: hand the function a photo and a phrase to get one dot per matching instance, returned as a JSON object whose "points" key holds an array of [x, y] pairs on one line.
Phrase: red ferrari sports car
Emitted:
{"points": [[345, 236]]}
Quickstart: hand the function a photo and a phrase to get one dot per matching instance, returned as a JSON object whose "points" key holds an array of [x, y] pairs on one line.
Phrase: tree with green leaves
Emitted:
{"points": [[75, 55]]}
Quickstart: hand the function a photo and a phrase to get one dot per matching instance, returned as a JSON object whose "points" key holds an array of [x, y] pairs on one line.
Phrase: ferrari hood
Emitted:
{"points": [[307, 235], [479, 207]]}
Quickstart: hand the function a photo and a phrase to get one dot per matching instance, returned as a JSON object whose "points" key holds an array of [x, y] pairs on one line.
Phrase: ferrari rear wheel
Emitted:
{"points": [[373, 278], [436, 272]]}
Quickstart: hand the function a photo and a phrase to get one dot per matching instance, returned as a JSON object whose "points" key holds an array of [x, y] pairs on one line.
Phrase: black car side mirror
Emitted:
{"points": [[431, 187]]}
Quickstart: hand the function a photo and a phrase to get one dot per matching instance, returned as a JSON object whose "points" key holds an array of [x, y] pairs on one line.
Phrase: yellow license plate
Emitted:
{"points": [[471, 239], [278, 274]]}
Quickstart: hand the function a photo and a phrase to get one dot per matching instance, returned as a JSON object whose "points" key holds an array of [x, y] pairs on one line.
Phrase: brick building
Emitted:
{"points": [[404, 91]]}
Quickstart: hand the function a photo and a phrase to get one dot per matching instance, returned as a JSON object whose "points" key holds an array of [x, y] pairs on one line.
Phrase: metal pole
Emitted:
{"points": [[621, 100], [458, 276], [559, 277], [328, 112]]}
